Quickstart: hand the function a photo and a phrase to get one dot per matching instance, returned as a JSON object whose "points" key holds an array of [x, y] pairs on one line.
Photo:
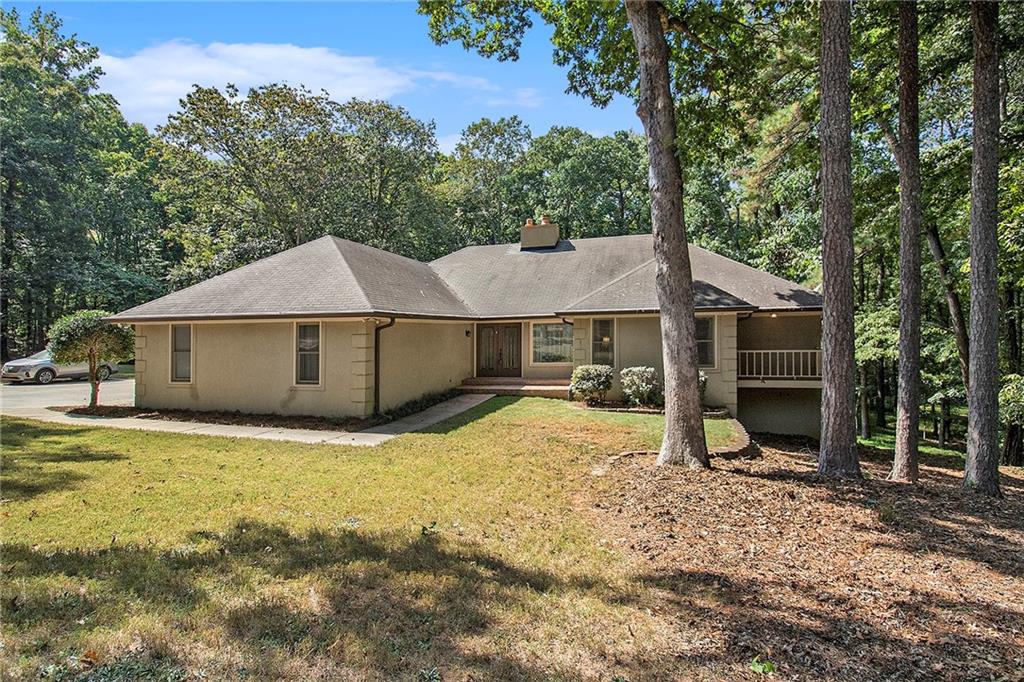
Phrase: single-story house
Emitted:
{"points": [[337, 328]]}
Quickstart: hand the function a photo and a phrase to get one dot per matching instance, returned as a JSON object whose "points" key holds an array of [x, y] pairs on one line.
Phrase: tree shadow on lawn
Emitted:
{"points": [[26, 448], [325, 603]]}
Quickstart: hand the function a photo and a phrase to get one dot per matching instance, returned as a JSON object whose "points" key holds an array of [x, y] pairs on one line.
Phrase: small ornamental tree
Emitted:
{"points": [[85, 337]]}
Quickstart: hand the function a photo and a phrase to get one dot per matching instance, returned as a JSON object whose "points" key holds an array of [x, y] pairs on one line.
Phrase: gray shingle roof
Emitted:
{"points": [[336, 277], [324, 277], [603, 274]]}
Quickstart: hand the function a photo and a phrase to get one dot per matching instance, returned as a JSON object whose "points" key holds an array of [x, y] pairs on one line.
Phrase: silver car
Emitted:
{"points": [[42, 369]]}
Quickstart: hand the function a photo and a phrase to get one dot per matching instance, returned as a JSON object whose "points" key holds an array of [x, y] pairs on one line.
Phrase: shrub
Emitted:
{"points": [[702, 384], [641, 386], [591, 383]]}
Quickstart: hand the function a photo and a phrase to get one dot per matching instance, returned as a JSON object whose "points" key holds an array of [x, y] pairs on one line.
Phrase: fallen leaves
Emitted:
{"points": [[828, 579]]}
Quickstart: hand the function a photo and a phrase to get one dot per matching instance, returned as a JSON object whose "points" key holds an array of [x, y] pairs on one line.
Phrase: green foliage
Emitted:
{"points": [[702, 384], [876, 334], [82, 225], [641, 386], [591, 383], [1011, 399], [760, 667], [85, 336]]}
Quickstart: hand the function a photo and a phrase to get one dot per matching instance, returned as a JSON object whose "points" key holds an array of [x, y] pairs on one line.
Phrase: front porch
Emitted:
{"points": [[517, 386]]}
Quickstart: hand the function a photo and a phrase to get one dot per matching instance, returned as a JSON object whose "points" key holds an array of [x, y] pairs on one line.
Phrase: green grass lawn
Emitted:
{"points": [[464, 551]]}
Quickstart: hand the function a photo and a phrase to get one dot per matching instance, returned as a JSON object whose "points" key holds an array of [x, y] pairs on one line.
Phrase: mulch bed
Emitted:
{"points": [[276, 421], [861, 580]]}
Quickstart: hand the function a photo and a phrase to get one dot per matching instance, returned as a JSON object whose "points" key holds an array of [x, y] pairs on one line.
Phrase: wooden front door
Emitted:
{"points": [[499, 350]]}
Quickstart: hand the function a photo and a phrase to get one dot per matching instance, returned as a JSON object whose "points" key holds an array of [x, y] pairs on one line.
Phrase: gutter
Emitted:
{"points": [[376, 363]]}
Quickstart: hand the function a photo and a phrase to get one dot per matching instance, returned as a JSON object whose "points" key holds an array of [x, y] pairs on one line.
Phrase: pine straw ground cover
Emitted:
{"points": [[865, 580]]}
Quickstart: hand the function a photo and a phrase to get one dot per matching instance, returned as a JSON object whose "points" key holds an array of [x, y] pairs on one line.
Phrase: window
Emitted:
{"points": [[552, 343], [603, 351], [181, 352], [307, 350], [705, 342]]}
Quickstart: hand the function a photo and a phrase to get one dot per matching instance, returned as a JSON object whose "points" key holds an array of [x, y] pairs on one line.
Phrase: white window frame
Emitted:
{"points": [[191, 354], [295, 355], [714, 342], [615, 340], [568, 363]]}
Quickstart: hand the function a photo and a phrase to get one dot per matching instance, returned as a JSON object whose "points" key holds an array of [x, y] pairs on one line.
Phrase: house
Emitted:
{"points": [[336, 328]]}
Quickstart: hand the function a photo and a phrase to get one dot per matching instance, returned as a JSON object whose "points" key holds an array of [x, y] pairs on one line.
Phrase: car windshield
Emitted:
{"points": [[41, 355]]}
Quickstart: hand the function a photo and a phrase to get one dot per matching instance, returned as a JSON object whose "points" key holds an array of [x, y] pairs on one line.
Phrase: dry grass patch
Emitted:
{"points": [[457, 553]]}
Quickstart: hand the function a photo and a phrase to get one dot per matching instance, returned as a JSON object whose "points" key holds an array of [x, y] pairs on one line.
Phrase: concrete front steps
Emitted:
{"points": [[536, 388]]}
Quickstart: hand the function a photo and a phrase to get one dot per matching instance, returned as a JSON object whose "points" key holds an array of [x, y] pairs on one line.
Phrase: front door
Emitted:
{"points": [[499, 350]]}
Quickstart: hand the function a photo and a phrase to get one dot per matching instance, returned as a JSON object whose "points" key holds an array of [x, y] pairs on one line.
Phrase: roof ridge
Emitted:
{"points": [[451, 290], [610, 282], [759, 271], [341, 253]]}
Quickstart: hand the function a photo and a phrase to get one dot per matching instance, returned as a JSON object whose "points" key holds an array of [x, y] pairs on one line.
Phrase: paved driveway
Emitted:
{"points": [[114, 391]]}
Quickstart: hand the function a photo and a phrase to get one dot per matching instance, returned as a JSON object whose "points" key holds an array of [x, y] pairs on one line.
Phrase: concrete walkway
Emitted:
{"points": [[368, 438]]}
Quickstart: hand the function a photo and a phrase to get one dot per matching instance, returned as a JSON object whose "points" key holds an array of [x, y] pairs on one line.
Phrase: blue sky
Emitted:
{"points": [[154, 52]]}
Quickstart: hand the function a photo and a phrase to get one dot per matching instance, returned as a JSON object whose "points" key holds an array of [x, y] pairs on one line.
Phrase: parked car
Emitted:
{"points": [[42, 369]]}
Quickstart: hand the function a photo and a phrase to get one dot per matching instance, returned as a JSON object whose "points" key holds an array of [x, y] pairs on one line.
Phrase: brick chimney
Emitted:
{"points": [[538, 236]]}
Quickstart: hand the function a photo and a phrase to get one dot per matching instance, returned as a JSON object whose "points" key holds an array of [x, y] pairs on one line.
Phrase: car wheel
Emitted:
{"points": [[103, 373], [45, 376]]}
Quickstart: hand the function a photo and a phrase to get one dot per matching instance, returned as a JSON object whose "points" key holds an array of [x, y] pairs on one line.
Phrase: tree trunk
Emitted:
{"points": [[880, 380], [865, 410], [838, 456], [908, 394], [981, 471], [1013, 446], [683, 441], [944, 431], [94, 382], [956, 310], [880, 393]]}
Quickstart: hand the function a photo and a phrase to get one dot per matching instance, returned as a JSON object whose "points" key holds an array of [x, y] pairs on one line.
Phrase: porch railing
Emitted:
{"points": [[796, 365]]}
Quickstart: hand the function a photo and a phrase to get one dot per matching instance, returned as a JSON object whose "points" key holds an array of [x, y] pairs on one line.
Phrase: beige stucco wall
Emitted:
{"points": [[781, 410], [638, 343], [785, 332], [249, 367], [418, 358]]}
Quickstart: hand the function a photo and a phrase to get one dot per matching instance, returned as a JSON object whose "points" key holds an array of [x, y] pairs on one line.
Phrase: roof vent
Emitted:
{"points": [[542, 236]]}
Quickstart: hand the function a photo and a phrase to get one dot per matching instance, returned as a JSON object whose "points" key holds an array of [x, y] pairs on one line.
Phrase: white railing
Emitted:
{"points": [[798, 365]]}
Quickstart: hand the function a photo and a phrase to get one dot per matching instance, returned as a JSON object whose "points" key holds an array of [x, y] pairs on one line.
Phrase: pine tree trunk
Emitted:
{"points": [[683, 441], [908, 394], [956, 310], [838, 456], [865, 410], [981, 471]]}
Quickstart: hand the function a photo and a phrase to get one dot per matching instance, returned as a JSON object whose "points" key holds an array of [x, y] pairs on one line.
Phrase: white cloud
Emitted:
{"points": [[149, 83], [529, 98], [446, 143]]}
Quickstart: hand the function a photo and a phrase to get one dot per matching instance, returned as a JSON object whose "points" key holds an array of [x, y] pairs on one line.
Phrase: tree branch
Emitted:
{"points": [[677, 24]]}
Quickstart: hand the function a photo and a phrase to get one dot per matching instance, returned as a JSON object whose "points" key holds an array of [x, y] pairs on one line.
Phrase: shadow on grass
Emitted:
{"points": [[383, 606], [469, 416], [25, 448]]}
